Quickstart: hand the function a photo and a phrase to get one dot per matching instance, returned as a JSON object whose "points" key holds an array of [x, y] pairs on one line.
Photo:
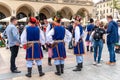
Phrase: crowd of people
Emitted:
{"points": [[37, 36]]}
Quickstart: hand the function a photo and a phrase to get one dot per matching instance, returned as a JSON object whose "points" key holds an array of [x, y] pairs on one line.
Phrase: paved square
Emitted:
{"points": [[89, 72]]}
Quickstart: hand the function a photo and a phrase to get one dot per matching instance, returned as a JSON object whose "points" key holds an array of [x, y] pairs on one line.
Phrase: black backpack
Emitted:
{"points": [[97, 34]]}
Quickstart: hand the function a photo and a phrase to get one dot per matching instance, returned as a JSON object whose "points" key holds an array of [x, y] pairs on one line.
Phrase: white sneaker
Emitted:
{"points": [[101, 59], [94, 63], [99, 64]]}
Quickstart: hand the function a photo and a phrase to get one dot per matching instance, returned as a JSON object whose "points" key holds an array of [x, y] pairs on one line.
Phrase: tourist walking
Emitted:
{"points": [[98, 36]]}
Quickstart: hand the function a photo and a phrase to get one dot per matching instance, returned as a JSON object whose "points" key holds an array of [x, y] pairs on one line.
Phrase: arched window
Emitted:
{"points": [[21, 15], [46, 12], [2, 16]]}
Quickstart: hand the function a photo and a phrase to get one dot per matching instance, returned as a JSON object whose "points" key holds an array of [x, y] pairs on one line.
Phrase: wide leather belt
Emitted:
{"points": [[57, 41], [33, 42]]}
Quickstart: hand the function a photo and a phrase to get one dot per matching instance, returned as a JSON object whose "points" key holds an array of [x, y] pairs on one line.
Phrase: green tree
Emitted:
{"points": [[115, 5]]}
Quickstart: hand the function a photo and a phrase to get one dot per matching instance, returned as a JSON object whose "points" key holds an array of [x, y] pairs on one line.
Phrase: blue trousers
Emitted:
{"points": [[98, 47], [79, 59], [58, 62], [30, 63], [111, 52]]}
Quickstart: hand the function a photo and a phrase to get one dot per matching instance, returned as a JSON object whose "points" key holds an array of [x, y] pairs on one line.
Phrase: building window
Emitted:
{"points": [[107, 11], [100, 12], [110, 10], [21, 15], [97, 12], [107, 4], [98, 6], [104, 5], [103, 11]]}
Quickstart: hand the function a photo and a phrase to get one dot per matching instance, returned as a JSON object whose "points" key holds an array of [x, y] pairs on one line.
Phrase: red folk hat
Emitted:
{"points": [[33, 20]]}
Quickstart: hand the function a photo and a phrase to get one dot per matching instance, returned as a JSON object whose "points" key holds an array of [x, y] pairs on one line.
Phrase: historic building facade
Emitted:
{"points": [[45, 8], [104, 8]]}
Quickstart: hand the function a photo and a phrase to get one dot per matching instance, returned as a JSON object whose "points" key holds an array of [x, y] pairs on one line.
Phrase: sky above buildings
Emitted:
{"points": [[96, 1]]}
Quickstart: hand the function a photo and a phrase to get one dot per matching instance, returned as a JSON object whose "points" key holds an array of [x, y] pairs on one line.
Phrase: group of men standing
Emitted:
{"points": [[32, 39]]}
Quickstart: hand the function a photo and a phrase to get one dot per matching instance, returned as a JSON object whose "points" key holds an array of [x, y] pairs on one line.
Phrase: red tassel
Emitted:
{"points": [[24, 46]]}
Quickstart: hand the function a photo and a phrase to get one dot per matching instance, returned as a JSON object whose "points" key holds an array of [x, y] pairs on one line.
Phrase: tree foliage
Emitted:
{"points": [[116, 5]]}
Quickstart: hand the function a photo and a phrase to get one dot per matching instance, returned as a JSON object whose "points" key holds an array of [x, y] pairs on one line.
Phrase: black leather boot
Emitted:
{"points": [[77, 68], [62, 68], [58, 70], [91, 49], [40, 71], [49, 62], [81, 65], [87, 48], [29, 73]]}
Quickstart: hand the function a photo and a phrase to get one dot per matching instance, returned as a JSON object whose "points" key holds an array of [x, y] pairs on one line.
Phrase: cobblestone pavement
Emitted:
{"points": [[89, 72]]}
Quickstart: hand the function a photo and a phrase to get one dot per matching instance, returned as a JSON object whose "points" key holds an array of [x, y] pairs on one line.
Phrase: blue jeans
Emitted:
{"points": [[111, 52], [98, 47]]}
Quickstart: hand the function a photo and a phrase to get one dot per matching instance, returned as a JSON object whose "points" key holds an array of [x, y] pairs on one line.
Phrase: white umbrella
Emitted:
{"points": [[50, 20], [65, 20], [7, 19], [72, 19], [104, 20], [115, 19], [23, 19], [95, 19]]}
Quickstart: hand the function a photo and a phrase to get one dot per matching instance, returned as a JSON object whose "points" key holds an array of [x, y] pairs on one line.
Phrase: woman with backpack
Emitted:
{"points": [[98, 40]]}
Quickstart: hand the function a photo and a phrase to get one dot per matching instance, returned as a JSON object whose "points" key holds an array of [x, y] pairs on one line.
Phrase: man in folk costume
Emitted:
{"points": [[78, 43], [89, 30], [33, 37], [57, 37]]}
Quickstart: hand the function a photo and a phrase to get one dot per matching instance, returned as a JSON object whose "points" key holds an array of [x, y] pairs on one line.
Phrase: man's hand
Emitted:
{"points": [[75, 44], [17, 44]]}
